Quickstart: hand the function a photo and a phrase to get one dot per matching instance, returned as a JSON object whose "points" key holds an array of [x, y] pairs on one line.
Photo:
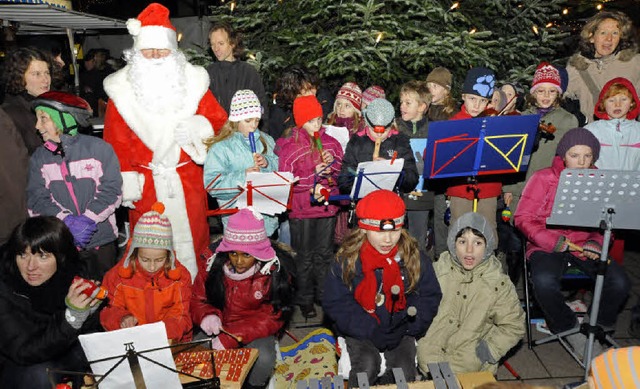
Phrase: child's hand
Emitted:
{"points": [[252, 169], [128, 321], [260, 160], [379, 159], [327, 157], [319, 193], [320, 169], [211, 325]]}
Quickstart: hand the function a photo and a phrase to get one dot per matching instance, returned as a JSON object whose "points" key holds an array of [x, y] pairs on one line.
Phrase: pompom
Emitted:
{"points": [[125, 272], [134, 26], [158, 207]]}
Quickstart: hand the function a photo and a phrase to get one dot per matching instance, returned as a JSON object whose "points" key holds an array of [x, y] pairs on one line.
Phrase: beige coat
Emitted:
{"points": [[624, 64], [481, 304]]}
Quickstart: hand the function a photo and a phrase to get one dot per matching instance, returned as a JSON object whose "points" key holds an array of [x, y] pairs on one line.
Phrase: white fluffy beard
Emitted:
{"points": [[159, 84]]}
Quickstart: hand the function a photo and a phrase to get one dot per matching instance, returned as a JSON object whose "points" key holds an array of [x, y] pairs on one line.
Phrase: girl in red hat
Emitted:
{"points": [[381, 292]]}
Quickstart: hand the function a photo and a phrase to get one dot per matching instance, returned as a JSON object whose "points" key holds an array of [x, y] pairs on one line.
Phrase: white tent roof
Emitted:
{"points": [[48, 19]]}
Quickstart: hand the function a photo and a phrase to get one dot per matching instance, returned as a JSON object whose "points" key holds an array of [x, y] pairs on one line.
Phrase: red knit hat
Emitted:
{"points": [[381, 210], [546, 74], [306, 108], [153, 29], [352, 93]]}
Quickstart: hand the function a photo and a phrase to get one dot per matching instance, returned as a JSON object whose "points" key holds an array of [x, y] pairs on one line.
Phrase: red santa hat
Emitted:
{"points": [[153, 29]]}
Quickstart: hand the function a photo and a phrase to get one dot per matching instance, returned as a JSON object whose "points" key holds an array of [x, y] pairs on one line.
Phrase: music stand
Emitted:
{"points": [[595, 198]]}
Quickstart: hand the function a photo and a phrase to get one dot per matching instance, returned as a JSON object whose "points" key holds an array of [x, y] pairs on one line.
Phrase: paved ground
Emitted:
{"points": [[547, 364]]}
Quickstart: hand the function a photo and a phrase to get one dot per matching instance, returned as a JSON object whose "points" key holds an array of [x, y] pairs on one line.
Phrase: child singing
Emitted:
{"points": [[246, 293], [381, 292], [149, 285]]}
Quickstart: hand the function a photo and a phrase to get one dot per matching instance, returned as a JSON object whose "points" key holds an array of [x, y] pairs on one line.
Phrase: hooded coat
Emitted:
{"points": [[619, 138], [478, 305]]}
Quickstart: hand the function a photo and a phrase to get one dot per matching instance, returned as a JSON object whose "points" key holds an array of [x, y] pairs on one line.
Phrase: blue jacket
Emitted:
{"points": [[95, 178], [228, 160], [352, 320]]}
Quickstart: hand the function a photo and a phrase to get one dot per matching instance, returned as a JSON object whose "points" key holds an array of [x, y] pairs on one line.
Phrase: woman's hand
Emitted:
{"points": [[77, 298], [128, 321]]}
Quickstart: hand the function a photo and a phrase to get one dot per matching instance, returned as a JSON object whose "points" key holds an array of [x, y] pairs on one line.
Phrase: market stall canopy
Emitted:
{"points": [[37, 17]]}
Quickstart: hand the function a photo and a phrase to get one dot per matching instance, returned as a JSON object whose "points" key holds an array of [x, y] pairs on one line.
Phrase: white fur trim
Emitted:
{"points": [[133, 26], [132, 184], [155, 37], [199, 129]]}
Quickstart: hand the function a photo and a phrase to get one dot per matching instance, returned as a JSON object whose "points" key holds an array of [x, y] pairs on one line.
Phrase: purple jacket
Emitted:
{"points": [[297, 156], [535, 207]]}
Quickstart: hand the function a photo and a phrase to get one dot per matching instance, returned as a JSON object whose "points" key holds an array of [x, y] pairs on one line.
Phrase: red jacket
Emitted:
{"points": [[487, 186], [150, 298], [535, 207]]}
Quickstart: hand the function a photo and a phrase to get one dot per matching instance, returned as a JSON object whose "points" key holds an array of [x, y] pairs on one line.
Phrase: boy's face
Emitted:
{"points": [[546, 95], [617, 106], [46, 127], [474, 104], [344, 109], [438, 92], [411, 109], [578, 157], [312, 126], [470, 250], [383, 241]]}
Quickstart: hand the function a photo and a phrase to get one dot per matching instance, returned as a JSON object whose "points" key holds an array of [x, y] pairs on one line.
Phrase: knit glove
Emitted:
{"points": [[483, 352], [75, 316], [82, 228], [592, 246], [181, 135], [211, 325], [562, 244]]}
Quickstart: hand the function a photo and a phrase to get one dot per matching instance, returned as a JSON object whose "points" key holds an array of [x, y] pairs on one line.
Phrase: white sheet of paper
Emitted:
{"points": [[144, 337], [279, 191], [374, 182], [341, 134]]}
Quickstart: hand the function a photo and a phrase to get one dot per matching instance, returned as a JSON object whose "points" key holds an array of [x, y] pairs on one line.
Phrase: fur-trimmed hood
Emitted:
{"points": [[580, 62]]}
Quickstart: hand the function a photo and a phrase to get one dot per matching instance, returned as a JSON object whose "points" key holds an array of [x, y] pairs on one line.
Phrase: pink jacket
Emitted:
{"points": [[536, 205], [297, 156]]}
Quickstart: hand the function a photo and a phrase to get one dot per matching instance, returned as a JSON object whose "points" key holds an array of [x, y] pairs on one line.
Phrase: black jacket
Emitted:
{"points": [[360, 149], [18, 107]]}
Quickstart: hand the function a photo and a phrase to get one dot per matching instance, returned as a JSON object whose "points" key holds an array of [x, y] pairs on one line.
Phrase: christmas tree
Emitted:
{"points": [[391, 42]]}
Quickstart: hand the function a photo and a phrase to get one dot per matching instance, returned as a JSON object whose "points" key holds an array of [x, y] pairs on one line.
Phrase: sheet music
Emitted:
{"points": [[144, 337], [270, 192], [341, 134], [377, 175]]}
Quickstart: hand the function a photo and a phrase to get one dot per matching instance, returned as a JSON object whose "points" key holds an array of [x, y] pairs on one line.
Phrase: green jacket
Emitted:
{"points": [[476, 305]]}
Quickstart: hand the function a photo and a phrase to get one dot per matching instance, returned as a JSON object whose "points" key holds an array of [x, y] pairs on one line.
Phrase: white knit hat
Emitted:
{"points": [[244, 105], [152, 29]]}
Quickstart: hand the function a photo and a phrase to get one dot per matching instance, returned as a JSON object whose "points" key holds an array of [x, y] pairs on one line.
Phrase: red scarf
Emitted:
{"points": [[365, 293]]}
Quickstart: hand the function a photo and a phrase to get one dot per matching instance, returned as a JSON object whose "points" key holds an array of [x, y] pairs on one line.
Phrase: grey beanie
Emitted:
{"points": [[379, 113], [475, 221]]}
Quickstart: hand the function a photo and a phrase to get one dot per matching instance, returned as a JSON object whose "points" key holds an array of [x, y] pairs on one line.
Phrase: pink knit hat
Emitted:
{"points": [[351, 92], [245, 232], [371, 93], [546, 74]]}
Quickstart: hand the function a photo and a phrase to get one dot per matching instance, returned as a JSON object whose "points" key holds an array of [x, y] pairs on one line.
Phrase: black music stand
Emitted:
{"points": [[595, 198]]}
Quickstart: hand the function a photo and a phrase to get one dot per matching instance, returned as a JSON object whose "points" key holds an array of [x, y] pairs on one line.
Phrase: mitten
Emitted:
{"points": [[216, 344], [592, 246], [483, 352], [82, 228], [75, 316], [181, 135], [562, 244], [211, 325]]}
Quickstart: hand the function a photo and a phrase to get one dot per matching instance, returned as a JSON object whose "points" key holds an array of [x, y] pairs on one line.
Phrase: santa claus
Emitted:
{"points": [[159, 112]]}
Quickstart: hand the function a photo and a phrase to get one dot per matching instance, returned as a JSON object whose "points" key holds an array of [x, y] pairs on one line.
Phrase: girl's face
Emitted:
{"points": [[379, 135], [470, 250], [617, 106], [241, 261], [546, 95], [383, 241], [344, 109], [474, 104], [246, 126], [578, 157], [438, 92], [152, 260], [37, 78], [46, 127], [312, 126], [511, 94], [606, 38], [411, 109], [36, 268]]}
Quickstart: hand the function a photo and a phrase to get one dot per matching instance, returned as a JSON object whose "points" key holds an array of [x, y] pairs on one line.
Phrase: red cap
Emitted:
{"points": [[381, 210]]}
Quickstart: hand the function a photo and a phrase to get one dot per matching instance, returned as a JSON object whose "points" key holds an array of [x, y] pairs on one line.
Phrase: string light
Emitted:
{"points": [[550, 24], [232, 5], [565, 11], [379, 37], [253, 57], [473, 31], [599, 7], [535, 29], [454, 6], [179, 36]]}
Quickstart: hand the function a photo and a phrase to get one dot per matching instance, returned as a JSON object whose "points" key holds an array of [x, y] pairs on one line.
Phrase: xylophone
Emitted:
{"points": [[232, 366]]}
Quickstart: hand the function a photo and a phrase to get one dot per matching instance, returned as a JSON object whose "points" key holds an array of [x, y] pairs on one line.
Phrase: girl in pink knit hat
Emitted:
{"points": [[346, 109], [245, 296]]}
